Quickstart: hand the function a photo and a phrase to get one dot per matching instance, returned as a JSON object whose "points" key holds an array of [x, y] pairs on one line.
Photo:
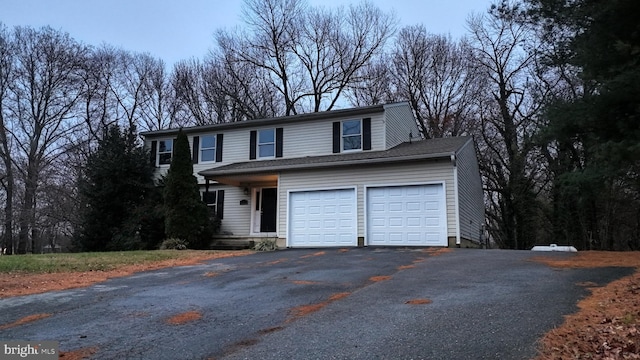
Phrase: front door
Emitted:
{"points": [[264, 220]]}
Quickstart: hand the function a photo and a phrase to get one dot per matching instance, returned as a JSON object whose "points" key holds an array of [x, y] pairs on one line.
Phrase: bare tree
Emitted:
{"points": [[310, 56], [439, 79], [7, 176], [159, 107], [375, 84], [47, 88], [509, 114]]}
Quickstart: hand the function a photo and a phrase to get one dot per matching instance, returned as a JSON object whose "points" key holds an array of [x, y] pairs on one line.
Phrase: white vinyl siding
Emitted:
{"points": [[422, 172], [399, 123], [470, 195], [236, 217], [300, 139]]}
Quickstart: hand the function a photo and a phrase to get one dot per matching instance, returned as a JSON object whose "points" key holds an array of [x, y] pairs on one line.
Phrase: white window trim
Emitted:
{"points": [[158, 152], [200, 148], [342, 136], [258, 143]]}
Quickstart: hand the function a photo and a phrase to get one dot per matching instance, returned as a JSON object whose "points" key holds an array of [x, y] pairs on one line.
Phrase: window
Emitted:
{"points": [[165, 150], [208, 148], [266, 143], [214, 199], [351, 135]]}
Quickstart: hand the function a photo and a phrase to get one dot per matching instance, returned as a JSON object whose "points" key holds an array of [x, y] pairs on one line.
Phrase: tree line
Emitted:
{"points": [[548, 90]]}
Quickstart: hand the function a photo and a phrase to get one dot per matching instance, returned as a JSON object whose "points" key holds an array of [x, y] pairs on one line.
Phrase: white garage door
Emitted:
{"points": [[322, 218], [407, 216]]}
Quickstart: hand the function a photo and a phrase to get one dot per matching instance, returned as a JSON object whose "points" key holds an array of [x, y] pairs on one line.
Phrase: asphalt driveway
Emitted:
{"points": [[365, 303]]}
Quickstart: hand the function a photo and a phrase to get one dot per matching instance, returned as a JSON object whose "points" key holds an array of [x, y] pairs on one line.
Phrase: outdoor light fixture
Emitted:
{"points": [[246, 191]]}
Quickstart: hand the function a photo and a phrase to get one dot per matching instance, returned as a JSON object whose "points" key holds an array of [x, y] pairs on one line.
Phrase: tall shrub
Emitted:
{"points": [[186, 216]]}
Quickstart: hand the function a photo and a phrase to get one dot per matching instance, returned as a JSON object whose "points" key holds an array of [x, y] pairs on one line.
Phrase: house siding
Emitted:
{"points": [[470, 195], [306, 138], [397, 128], [360, 177], [236, 217]]}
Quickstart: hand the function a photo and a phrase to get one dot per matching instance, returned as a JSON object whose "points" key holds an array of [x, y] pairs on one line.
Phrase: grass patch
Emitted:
{"points": [[95, 261]]}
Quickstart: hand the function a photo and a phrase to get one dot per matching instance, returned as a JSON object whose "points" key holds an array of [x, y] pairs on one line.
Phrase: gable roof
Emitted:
{"points": [[408, 151], [331, 114]]}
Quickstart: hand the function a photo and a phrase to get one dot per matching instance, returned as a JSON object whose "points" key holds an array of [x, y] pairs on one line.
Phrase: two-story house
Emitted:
{"points": [[352, 177]]}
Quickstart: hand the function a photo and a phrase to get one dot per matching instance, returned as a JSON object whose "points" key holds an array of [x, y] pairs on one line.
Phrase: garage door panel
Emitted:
{"points": [[329, 218], [406, 215]]}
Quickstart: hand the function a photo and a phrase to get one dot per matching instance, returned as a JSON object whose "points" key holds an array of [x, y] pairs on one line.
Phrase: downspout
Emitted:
{"points": [[456, 197]]}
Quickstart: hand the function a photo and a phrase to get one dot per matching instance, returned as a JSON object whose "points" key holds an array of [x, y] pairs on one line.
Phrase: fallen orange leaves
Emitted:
{"points": [[607, 326], [24, 320]]}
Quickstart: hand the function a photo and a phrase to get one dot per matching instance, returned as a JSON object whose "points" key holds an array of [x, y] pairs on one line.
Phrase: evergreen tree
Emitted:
{"points": [[116, 185], [596, 131], [186, 216]]}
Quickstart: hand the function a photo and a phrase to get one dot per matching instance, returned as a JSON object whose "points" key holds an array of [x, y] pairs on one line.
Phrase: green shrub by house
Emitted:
{"points": [[186, 216]]}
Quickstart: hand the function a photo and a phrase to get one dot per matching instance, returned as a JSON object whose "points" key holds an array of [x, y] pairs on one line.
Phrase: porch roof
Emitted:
{"points": [[408, 151]]}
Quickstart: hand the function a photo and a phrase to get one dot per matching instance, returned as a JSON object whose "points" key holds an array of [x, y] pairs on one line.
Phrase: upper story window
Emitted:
{"points": [[351, 135], [165, 150], [266, 143], [208, 148]]}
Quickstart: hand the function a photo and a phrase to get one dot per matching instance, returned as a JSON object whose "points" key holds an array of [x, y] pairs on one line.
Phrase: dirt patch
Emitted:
{"points": [[404, 267], [436, 251], [305, 282], [419, 302], [380, 278], [276, 262], [590, 259], [343, 250], [25, 320], [211, 274], [304, 310], [339, 296], [607, 326], [27, 284], [79, 354], [185, 317], [319, 253]]}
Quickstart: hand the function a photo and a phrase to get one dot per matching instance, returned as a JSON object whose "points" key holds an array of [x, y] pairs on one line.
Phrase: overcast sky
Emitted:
{"points": [[180, 29]]}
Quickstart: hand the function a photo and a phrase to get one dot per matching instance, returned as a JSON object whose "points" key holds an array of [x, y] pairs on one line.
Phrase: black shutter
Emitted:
{"points": [[336, 137], [252, 144], [219, 148], [154, 153], [279, 135], [366, 134], [196, 149], [220, 204]]}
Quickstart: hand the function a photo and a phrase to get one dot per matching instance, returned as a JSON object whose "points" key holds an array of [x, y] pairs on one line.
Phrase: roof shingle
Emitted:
{"points": [[408, 151]]}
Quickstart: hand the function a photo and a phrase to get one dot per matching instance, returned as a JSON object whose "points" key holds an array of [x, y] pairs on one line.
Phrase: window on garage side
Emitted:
{"points": [[351, 135]]}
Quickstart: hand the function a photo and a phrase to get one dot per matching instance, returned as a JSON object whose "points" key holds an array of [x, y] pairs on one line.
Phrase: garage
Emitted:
{"points": [[322, 218], [406, 215]]}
